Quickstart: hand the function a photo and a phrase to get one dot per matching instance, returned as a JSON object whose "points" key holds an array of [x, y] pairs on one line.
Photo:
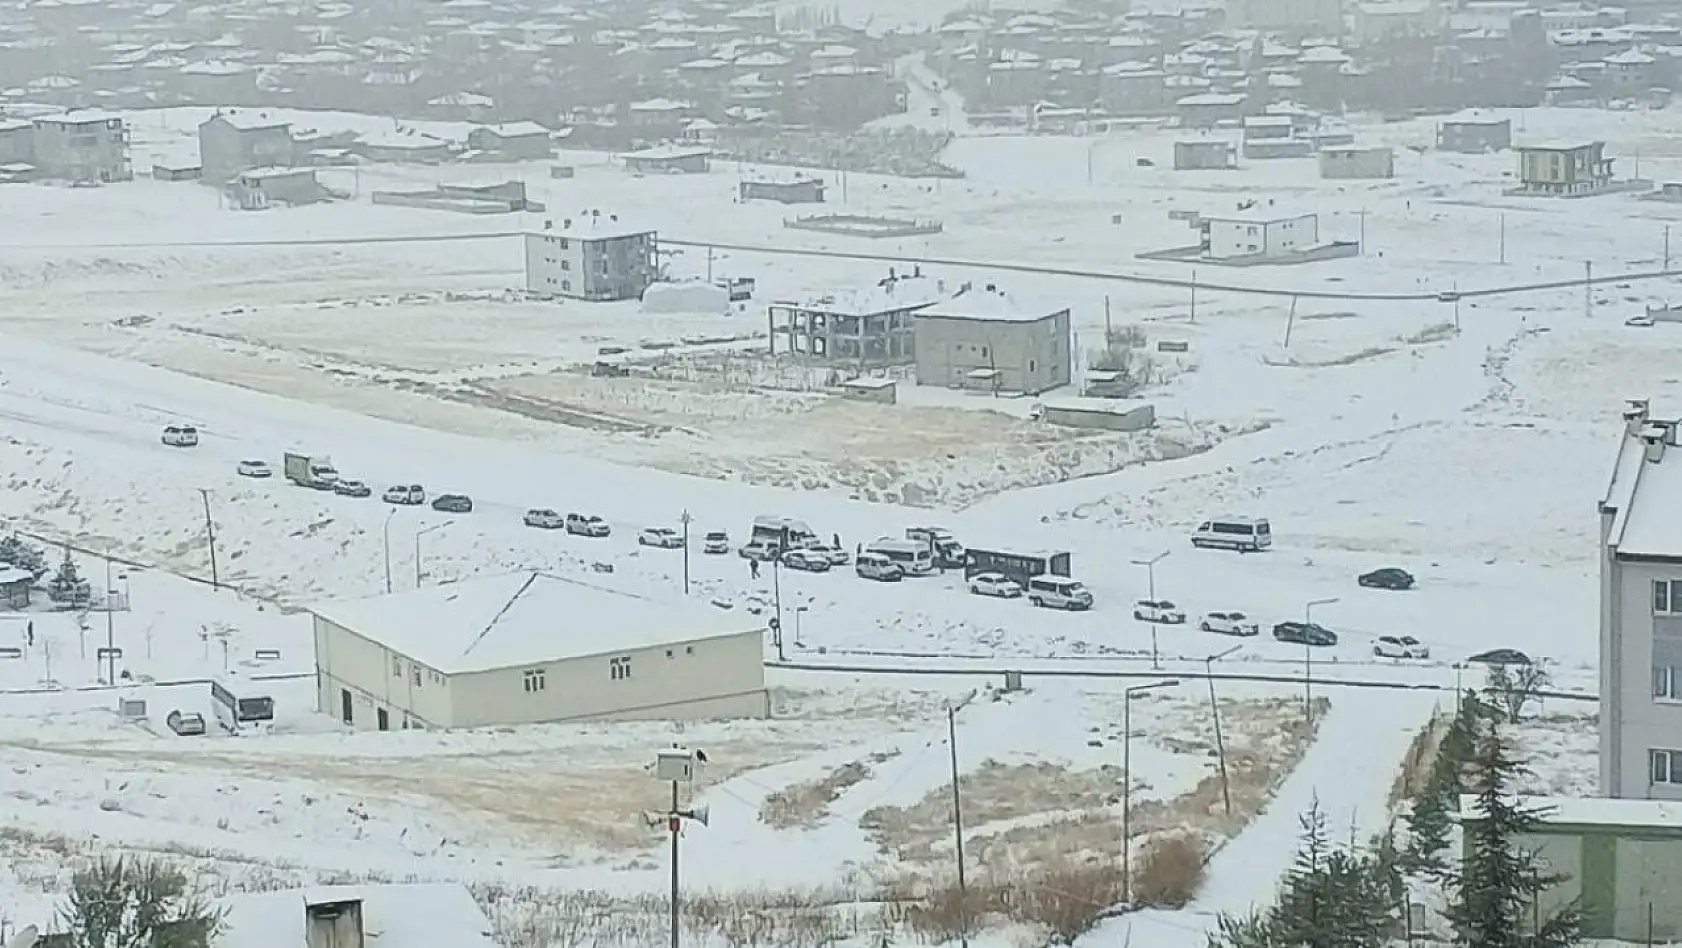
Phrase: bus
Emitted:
{"points": [[1245, 534], [912, 557], [1018, 566], [234, 712]]}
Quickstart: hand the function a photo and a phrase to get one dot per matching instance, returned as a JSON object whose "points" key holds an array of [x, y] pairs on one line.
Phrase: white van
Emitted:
{"points": [[909, 555], [1246, 534], [1059, 592]]}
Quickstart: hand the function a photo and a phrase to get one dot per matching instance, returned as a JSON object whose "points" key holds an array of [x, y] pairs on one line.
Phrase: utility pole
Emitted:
{"points": [[677, 767], [1290, 322], [210, 538], [1150, 572], [958, 819], [1308, 659], [1667, 248], [1588, 288], [1361, 236], [1127, 782], [1501, 222], [385, 534], [1107, 327], [1457, 305], [110, 626], [1215, 712], [1194, 295], [685, 520]]}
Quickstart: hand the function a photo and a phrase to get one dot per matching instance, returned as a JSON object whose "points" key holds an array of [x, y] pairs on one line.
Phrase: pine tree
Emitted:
{"points": [[124, 903], [1429, 819], [1493, 896], [15, 551], [67, 585]]}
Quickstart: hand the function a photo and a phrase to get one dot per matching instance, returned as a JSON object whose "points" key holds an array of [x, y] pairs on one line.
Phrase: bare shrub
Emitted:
{"points": [[1512, 688], [1171, 871], [802, 804], [1416, 764], [1124, 353], [1069, 899]]}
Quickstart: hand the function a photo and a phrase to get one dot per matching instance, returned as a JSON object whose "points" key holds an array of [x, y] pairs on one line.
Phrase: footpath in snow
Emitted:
{"points": [[1350, 769]]}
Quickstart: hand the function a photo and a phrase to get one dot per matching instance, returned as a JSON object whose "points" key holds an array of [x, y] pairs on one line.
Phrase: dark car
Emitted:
{"points": [[1501, 656], [1304, 633], [1387, 578], [346, 488], [453, 503]]}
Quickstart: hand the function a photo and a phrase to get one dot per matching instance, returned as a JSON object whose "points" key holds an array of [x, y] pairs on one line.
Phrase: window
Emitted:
{"points": [[415, 675], [1667, 683], [1667, 766], [1667, 597], [619, 669], [563, 243], [396, 667], [689, 650], [535, 680], [566, 284], [669, 653], [984, 354], [566, 264]]}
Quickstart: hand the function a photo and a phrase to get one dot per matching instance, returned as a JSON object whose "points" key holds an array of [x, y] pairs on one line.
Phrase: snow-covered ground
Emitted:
{"points": [[1462, 445]]}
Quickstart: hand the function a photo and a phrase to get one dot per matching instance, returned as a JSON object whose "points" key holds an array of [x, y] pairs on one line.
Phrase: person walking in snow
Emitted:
{"points": [[753, 569]]}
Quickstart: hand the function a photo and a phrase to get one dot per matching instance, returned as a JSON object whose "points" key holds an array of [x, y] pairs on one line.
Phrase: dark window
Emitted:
{"points": [[619, 669]]}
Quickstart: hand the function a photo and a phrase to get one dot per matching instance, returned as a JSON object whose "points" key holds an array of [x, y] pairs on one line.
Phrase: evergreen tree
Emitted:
{"points": [[67, 585], [1493, 896], [1429, 820], [15, 551], [125, 903]]}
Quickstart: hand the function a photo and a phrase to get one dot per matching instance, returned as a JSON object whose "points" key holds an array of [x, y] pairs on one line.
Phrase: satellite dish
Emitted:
{"points": [[26, 937]]}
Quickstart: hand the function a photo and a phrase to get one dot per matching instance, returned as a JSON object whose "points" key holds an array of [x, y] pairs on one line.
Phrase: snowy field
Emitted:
{"points": [[1465, 444]]}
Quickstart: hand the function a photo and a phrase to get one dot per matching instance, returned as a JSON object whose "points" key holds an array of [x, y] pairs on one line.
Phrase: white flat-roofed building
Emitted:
{"points": [[593, 256], [984, 338], [1641, 612], [1260, 233], [83, 146], [529, 648]]}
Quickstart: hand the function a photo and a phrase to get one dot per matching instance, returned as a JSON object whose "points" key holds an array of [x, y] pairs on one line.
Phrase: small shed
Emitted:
{"points": [[266, 187], [1349, 163], [1106, 414], [870, 389], [14, 587], [1475, 135], [800, 191], [1205, 154], [670, 159], [176, 171]]}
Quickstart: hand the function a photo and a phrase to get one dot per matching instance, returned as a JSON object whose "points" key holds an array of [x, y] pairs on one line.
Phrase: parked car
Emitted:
{"points": [[810, 561], [405, 494], [181, 436], [1400, 646], [716, 541], [254, 469], [1501, 656], [346, 488], [587, 525], [1159, 610], [453, 503], [835, 555], [1387, 578], [1230, 623], [1640, 321], [995, 584], [758, 550], [878, 567], [1059, 592], [1304, 633], [663, 537], [544, 519]]}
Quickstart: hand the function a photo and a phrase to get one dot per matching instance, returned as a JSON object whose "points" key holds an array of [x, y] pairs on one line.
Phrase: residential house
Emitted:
{"points": [[239, 140], [83, 146], [984, 339], [591, 257]]}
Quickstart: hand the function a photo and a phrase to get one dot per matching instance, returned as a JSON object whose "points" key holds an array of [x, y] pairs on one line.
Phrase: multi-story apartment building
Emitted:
{"points": [[82, 146], [592, 257], [1641, 612]]}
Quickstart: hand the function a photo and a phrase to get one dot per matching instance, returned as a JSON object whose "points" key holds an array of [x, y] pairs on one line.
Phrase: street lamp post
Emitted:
{"points": [[685, 520], [385, 534], [1150, 574], [1127, 782], [1215, 711], [418, 534], [958, 817], [1308, 658]]}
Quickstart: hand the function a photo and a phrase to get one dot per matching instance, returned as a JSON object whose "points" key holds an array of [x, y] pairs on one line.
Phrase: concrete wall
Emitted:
{"points": [[439, 201], [1123, 418], [376, 678], [1356, 164], [722, 677], [1030, 357], [1622, 878]]}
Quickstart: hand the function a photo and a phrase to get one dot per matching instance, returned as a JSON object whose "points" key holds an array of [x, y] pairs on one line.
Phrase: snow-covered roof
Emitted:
{"points": [[515, 130], [1257, 215], [1593, 811], [247, 120], [669, 153], [525, 618], [889, 295], [989, 304], [1643, 494], [85, 117], [393, 916], [11, 574]]}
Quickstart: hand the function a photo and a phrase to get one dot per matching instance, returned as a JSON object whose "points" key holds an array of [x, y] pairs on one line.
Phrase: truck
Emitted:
{"points": [[947, 552], [313, 471]]}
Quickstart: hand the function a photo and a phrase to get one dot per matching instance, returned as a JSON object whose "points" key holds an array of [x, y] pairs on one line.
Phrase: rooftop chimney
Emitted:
{"points": [[1635, 415], [1653, 441]]}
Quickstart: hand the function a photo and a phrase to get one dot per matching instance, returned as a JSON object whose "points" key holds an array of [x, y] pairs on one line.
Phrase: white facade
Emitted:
{"points": [[530, 648], [1261, 235], [1641, 613], [596, 259]]}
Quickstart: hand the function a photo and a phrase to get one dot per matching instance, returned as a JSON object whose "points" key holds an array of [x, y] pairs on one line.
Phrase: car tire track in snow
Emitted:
{"points": [[1357, 751]]}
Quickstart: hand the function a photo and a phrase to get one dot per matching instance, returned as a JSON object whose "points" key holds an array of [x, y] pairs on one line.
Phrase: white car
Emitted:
{"points": [[1230, 623], [405, 494], [995, 584], [1400, 646], [254, 469], [806, 561], [663, 537], [181, 436], [544, 519], [1640, 322], [835, 555], [1159, 610]]}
